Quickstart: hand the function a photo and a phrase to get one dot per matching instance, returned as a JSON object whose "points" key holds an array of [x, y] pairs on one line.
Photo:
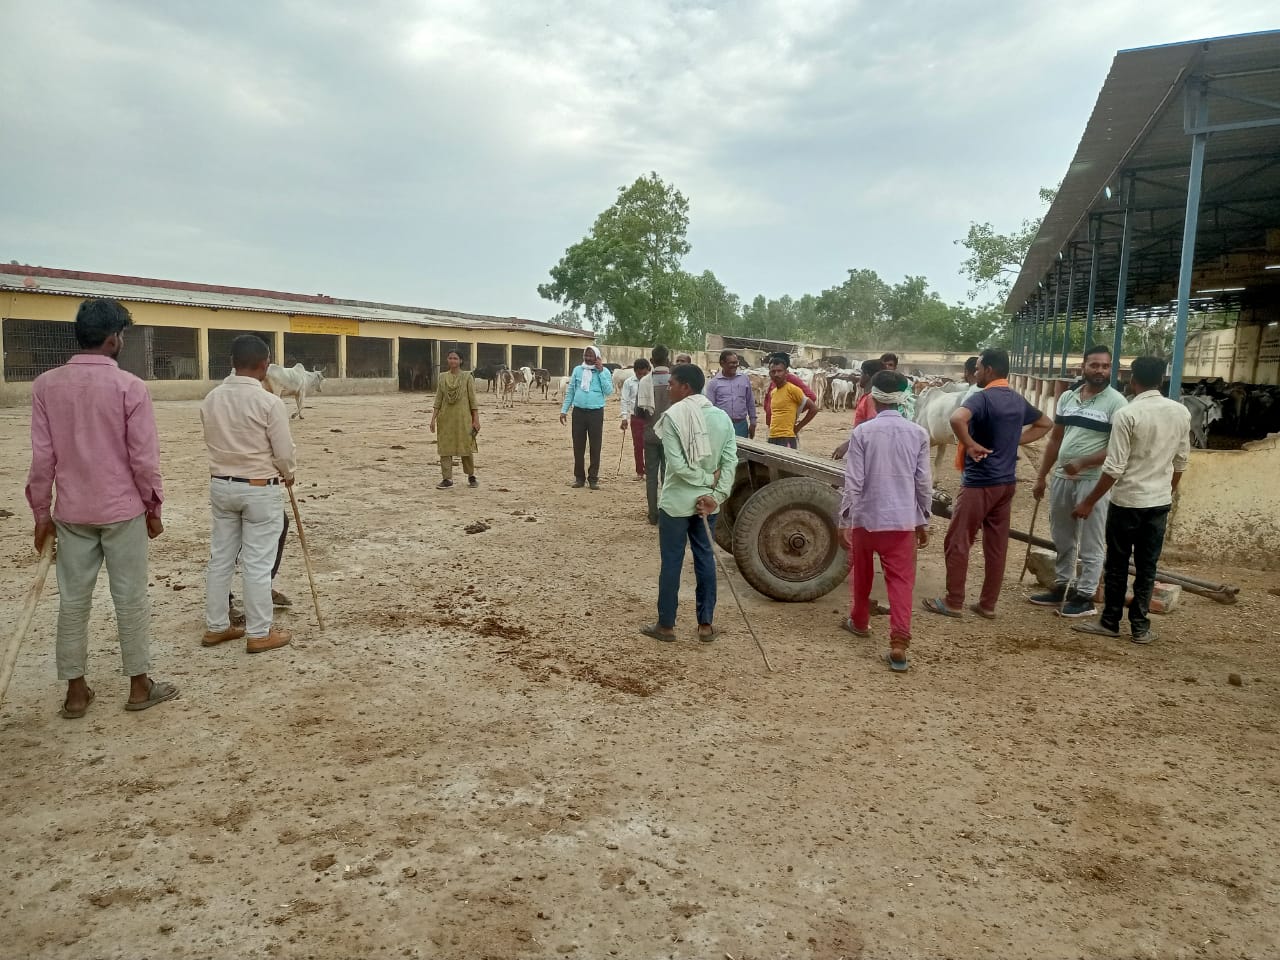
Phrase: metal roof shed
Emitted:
{"points": [[1176, 181]]}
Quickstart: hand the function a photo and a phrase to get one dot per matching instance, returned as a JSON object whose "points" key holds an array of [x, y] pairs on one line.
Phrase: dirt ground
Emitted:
{"points": [[482, 758]]}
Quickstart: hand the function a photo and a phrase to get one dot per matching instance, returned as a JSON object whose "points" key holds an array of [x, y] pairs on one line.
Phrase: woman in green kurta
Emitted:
{"points": [[459, 417]]}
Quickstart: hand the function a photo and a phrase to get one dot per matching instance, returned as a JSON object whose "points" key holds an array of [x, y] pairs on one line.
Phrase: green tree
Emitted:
{"points": [[707, 307], [995, 258], [625, 274]]}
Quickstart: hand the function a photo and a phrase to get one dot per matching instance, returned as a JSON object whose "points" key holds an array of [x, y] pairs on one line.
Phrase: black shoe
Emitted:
{"points": [[1050, 598], [1078, 606], [1145, 637], [444, 484], [472, 481], [578, 483], [594, 485]]}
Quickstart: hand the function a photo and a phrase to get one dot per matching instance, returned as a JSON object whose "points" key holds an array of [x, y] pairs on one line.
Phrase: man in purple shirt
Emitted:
{"points": [[731, 392], [884, 510], [989, 426], [93, 436]]}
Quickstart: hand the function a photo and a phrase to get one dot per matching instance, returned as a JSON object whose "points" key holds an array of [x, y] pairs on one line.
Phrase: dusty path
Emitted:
{"points": [[481, 758]]}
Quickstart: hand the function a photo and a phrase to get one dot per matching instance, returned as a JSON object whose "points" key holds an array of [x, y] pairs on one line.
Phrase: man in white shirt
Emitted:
{"points": [[1148, 450], [630, 392], [251, 452]]}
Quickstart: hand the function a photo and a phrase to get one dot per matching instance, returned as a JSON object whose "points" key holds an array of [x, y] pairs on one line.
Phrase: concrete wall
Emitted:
{"points": [[1229, 505], [19, 394]]}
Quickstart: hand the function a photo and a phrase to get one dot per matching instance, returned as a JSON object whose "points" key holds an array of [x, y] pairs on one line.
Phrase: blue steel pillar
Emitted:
{"points": [[1066, 330], [1198, 114], [1122, 282], [1057, 302], [1095, 238]]}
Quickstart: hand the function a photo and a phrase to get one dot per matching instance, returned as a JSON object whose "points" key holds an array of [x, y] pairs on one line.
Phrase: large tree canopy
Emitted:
{"points": [[625, 274]]}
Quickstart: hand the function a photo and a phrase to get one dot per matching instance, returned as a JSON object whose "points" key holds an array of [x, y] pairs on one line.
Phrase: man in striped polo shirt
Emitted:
{"points": [[1077, 447]]}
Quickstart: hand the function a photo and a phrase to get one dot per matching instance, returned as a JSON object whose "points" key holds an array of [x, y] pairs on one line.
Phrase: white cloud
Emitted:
{"points": [[447, 151]]}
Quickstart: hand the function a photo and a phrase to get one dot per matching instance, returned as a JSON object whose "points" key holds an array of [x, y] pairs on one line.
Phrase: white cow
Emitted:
{"points": [[522, 386], [620, 376], [933, 412], [296, 381], [562, 384], [842, 392]]}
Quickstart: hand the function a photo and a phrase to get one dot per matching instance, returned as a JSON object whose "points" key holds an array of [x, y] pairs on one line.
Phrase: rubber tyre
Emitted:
{"points": [[729, 510], [786, 542]]}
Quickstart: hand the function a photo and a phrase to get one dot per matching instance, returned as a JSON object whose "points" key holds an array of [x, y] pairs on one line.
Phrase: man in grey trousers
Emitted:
{"points": [[93, 437], [1077, 447]]}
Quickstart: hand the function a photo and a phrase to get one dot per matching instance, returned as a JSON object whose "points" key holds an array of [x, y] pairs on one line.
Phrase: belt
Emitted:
{"points": [[253, 483]]}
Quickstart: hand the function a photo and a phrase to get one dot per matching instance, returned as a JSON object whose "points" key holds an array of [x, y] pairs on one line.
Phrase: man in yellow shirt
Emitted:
{"points": [[789, 403]]}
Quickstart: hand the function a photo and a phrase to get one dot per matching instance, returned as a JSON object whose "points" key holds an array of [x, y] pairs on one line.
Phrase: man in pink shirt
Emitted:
{"points": [[884, 510], [93, 437]]}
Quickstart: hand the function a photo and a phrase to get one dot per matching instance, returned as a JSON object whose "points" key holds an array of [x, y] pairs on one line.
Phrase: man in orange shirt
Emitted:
{"points": [[789, 403]]}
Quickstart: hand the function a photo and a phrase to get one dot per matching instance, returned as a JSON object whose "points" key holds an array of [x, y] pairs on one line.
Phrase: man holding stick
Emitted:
{"points": [[251, 452], [701, 453], [93, 436]]}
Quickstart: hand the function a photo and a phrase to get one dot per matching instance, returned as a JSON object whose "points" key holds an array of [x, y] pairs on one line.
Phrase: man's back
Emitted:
{"points": [[246, 430], [679, 495], [1150, 440], [999, 414], [93, 426], [888, 462]]}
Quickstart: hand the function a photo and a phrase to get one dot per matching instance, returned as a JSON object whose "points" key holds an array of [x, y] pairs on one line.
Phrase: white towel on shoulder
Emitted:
{"points": [[691, 426]]}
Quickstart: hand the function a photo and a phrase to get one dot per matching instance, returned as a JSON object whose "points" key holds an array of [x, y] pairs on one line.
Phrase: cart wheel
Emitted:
{"points": [[730, 509], [786, 543]]}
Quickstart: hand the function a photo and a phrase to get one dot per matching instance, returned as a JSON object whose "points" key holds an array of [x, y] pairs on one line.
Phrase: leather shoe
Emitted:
{"points": [[212, 638], [276, 638]]}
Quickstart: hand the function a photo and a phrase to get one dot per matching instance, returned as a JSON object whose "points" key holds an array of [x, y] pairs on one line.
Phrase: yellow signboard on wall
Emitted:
{"points": [[330, 325]]}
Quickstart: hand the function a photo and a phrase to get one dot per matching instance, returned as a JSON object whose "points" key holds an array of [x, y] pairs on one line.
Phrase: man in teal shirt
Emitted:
{"points": [[1078, 446], [589, 385], [701, 453]]}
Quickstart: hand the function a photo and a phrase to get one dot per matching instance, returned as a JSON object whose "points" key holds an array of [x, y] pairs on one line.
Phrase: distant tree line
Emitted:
{"points": [[625, 279]]}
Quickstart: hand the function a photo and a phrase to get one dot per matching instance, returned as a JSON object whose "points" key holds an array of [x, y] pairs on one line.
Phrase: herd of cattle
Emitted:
{"points": [[1243, 411]]}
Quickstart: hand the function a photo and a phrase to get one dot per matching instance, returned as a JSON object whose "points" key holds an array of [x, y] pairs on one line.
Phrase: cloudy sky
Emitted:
{"points": [[446, 153]]}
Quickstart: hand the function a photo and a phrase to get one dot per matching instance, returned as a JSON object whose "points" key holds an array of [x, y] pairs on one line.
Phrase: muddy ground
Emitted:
{"points": [[481, 757]]}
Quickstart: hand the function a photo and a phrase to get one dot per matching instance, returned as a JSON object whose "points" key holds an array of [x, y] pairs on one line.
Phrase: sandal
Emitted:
{"points": [[847, 624], [66, 713], [984, 614], [939, 606], [159, 692], [898, 666]]}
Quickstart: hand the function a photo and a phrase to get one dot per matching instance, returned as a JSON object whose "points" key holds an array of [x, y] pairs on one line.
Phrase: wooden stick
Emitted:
{"points": [[1035, 512], [25, 617], [706, 524], [306, 557]]}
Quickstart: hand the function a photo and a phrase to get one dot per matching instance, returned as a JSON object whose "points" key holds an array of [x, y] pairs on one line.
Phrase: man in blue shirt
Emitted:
{"points": [[730, 390], [589, 385], [989, 426]]}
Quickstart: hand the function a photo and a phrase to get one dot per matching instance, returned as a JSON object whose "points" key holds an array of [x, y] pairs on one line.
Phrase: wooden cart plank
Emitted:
{"points": [[791, 463]]}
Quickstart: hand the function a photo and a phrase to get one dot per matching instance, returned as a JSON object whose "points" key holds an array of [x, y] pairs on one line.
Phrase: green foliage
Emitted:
{"points": [[995, 258], [625, 274], [626, 280]]}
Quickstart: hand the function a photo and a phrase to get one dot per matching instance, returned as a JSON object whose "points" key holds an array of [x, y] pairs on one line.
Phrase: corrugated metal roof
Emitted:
{"points": [[32, 280], [1137, 124]]}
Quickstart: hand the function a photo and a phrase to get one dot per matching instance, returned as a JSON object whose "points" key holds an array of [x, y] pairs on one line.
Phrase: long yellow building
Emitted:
{"points": [[181, 340]]}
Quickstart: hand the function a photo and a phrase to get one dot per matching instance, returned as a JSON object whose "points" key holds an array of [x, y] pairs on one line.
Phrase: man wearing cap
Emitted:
{"points": [[251, 452]]}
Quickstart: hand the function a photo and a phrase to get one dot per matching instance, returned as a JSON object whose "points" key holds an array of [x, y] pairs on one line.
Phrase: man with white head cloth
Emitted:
{"points": [[589, 385], [884, 510]]}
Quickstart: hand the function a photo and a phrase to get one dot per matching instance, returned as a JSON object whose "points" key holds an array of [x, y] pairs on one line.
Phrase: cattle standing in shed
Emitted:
{"points": [[489, 373], [296, 381]]}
